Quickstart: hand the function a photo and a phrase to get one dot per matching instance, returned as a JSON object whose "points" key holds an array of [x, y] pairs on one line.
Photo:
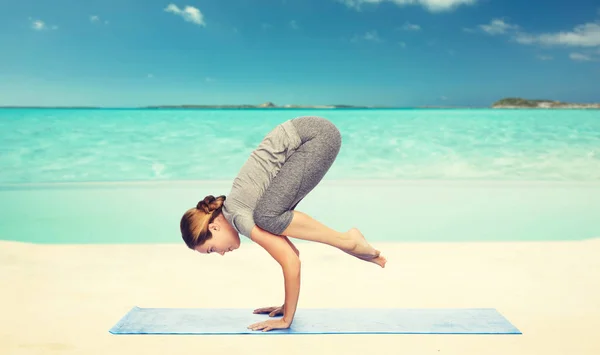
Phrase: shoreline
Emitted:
{"points": [[398, 210], [327, 182], [380, 244], [239, 108], [505, 103], [400, 108]]}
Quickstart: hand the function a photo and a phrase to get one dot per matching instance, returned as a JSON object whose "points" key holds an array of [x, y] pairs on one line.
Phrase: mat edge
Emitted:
{"points": [[515, 331]]}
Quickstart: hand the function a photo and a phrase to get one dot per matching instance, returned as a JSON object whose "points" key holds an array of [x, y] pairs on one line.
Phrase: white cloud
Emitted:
{"points": [[189, 14], [402, 44], [498, 26], [40, 25], [431, 5], [96, 19], [411, 27], [580, 57], [369, 36], [586, 35], [150, 76]]}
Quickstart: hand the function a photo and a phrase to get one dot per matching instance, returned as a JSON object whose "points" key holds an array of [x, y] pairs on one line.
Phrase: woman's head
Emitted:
{"points": [[205, 229]]}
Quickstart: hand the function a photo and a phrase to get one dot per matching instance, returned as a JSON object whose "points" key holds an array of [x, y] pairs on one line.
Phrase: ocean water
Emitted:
{"points": [[163, 145], [127, 175]]}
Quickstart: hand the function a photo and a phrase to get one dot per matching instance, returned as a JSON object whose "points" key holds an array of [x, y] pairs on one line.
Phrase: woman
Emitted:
{"points": [[288, 163]]}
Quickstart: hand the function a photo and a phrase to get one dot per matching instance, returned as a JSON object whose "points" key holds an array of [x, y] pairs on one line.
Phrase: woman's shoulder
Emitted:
{"points": [[240, 218]]}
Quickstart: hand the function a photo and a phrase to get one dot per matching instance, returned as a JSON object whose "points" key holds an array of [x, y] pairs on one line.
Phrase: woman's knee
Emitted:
{"points": [[310, 127], [335, 137], [330, 133]]}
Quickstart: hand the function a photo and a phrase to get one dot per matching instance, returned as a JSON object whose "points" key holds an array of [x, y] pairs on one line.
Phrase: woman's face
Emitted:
{"points": [[224, 238]]}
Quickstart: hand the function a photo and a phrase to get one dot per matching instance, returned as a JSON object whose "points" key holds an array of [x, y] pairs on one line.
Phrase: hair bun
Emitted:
{"points": [[202, 206], [210, 203]]}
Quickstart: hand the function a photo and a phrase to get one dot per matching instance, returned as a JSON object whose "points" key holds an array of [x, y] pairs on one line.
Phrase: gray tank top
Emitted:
{"points": [[257, 173]]}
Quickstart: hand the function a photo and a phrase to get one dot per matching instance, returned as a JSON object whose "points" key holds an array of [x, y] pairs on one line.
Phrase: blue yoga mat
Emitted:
{"points": [[316, 321]]}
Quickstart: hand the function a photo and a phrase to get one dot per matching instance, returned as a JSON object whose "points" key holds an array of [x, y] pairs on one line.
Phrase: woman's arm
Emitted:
{"points": [[283, 252]]}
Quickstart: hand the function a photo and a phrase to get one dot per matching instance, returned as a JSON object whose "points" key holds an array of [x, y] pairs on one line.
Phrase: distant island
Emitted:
{"points": [[506, 103], [263, 105], [270, 105], [517, 102]]}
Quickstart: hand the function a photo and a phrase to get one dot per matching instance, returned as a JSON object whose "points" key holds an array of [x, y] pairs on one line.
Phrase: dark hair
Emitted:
{"points": [[195, 221]]}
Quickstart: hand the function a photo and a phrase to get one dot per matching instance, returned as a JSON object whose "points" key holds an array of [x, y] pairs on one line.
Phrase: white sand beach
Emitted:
{"points": [[63, 299]]}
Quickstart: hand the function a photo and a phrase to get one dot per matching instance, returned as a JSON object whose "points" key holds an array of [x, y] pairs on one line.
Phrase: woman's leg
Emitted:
{"points": [[321, 142], [299, 174]]}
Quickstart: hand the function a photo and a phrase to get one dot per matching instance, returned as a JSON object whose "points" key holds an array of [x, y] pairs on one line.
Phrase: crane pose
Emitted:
{"points": [[288, 163]]}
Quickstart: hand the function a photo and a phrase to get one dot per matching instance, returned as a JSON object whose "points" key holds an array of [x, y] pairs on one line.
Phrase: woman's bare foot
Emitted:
{"points": [[360, 248]]}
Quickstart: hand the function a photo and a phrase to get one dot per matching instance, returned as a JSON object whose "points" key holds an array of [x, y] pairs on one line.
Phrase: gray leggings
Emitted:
{"points": [[300, 173]]}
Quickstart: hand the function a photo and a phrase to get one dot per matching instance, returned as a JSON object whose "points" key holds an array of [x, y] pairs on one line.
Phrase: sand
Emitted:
{"points": [[63, 299]]}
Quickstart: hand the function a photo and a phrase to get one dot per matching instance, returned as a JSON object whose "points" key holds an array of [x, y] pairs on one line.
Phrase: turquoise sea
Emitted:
{"points": [[127, 175]]}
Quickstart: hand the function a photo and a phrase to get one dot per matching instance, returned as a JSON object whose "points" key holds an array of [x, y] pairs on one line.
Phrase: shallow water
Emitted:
{"points": [[385, 211], [51, 145], [401, 175]]}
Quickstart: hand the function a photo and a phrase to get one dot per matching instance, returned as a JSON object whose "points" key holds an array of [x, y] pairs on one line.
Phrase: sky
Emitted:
{"points": [[398, 53]]}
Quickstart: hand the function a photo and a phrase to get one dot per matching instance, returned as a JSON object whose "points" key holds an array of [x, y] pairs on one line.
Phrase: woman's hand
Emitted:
{"points": [[273, 311], [270, 324]]}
